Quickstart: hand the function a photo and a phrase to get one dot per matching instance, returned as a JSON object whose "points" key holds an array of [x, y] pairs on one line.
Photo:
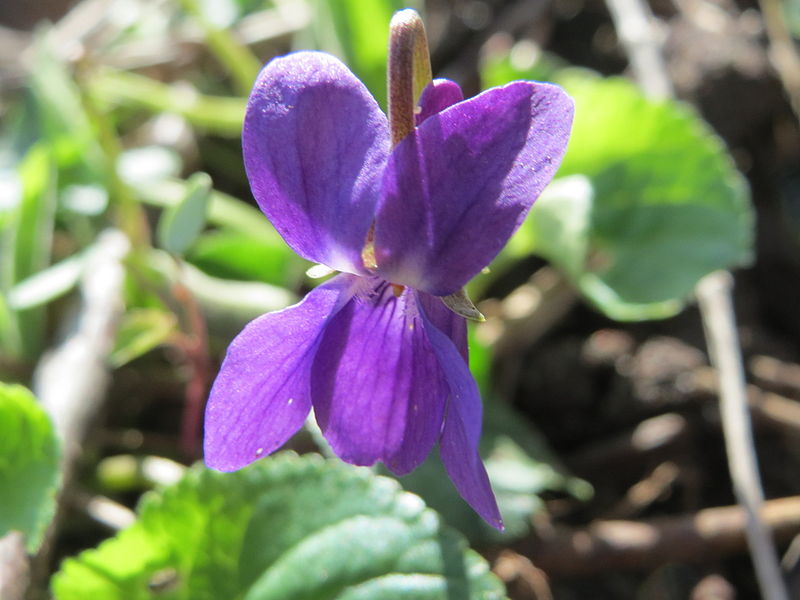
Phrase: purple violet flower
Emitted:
{"points": [[374, 350]]}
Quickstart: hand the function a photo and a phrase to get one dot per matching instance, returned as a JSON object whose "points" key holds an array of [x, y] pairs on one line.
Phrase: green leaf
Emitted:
{"points": [[233, 255], [669, 206], [140, 331], [29, 456], [285, 527], [58, 108], [226, 303], [215, 114], [181, 223], [25, 248], [560, 223], [224, 210], [48, 284]]}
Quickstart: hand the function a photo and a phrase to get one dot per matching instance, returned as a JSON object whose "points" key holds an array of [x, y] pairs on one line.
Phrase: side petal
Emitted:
{"points": [[446, 321], [457, 187], [377, 388], [315, 145], [461, 434], [261, 397]]}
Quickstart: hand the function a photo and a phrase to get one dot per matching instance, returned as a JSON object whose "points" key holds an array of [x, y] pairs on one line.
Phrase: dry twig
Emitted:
{"points": [[716, 306], [612, 544]]}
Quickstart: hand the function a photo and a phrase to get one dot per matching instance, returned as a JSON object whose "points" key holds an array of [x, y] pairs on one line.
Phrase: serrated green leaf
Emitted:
{"points": [[285, 527], [181, 223], [29, 456]]}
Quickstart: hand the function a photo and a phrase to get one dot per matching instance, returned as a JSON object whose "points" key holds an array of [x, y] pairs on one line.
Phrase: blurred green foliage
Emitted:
{"points": [[29, 457]]}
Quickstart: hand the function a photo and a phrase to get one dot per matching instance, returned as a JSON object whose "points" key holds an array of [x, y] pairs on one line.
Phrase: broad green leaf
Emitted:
{"points": [[181, 223], [559, 224], [140, 331], [669, 205], [29, 456], [285, 527]]}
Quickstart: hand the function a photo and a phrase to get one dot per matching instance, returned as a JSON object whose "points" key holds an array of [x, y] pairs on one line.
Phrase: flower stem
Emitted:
{"points": [[409, 70]]}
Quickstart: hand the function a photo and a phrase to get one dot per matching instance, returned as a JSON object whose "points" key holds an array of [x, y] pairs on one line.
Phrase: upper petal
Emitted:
{"points": [[461, 434], [438, 95], [457, 187], [315, 145], [377, 387], [261, 397]]}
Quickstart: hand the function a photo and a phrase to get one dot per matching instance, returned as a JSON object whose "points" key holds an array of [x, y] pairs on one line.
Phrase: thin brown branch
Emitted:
{"points": [[642, 545]]}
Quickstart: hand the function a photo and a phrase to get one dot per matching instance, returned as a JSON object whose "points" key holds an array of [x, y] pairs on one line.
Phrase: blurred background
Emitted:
{"points": [[131, 253]]}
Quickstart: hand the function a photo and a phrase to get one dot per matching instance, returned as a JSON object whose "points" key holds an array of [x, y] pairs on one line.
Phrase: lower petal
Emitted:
{"points": [[461, 434], [261, 397], [377, 387]]}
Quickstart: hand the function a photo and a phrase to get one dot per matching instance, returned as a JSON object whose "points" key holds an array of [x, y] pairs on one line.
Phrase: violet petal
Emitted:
{"points": [[315, 145], [438, 95], [261, 395], [446, 321], [457, 188], [377, 387], [461, 434]]}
